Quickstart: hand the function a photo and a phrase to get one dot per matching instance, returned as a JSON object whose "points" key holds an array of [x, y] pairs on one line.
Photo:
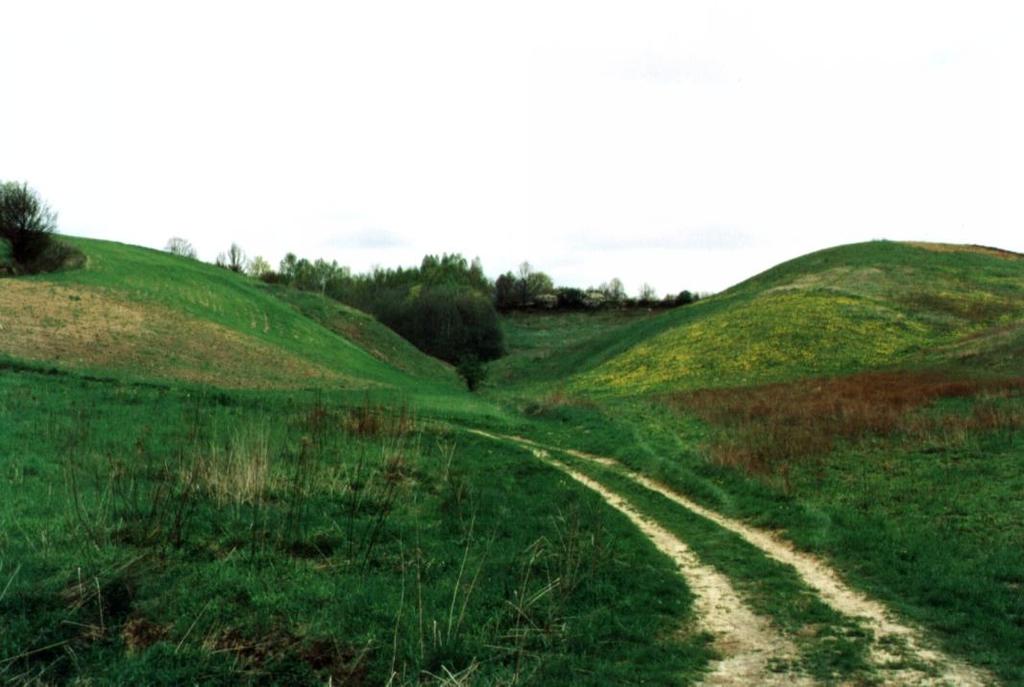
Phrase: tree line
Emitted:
{"points": [[446, 306], [528, 289]]}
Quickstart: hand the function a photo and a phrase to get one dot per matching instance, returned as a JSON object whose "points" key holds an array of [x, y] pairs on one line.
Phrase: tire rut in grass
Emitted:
{"points": [[753, 652], [900, 652]]}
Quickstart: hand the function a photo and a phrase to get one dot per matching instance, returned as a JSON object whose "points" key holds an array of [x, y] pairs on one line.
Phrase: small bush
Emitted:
{"points": [[57, 256], [472, 371], [27, 225]]}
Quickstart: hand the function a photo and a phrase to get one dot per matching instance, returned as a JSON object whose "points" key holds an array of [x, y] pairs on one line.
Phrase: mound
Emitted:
{"points": [[846, 309], [147, 314]]}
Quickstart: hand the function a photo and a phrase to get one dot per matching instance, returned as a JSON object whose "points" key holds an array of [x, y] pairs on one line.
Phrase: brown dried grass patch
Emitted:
{"points": [[965, 248], [556, 402], [762, 430], [344, 664], [139, 634], [90, 328], [370, 420]]}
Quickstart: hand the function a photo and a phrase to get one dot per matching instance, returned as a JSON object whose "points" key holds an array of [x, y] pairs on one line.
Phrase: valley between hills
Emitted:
{"points": [[813, 477]]}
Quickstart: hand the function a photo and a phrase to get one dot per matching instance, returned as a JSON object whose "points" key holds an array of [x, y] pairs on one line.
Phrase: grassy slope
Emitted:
{"points": [[925, 514], [864, 306], [156, 530], [241, 553], [544, 348], [147, 314], [158, 535], [366, 332]]}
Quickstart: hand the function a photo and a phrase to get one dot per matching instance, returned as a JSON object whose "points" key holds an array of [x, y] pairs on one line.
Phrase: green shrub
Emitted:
{"points": [[472, 371], [447, 322], [26, 222], [27, 225]]}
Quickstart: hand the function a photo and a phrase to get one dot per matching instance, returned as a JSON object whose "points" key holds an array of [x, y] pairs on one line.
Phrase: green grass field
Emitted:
{"points": [[208, 480], [151, 534]]}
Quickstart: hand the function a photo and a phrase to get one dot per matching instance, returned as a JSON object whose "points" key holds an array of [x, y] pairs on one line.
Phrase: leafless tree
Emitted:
{"points": [[180, 246], [233, 260]]}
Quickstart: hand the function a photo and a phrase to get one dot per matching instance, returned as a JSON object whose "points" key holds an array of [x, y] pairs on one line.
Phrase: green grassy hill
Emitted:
{"points": [[846, 309], [146, 314], [866, 400], [365, 331], [227, 526]]}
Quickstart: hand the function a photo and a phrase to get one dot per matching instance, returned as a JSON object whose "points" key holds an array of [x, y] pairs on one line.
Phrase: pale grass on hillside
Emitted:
{"points": [[963, 248], [90, 328], [240, 472]]}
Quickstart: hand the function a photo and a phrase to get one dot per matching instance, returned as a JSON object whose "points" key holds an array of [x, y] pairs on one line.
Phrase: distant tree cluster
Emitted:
{"points": [[522, 289], [318, 275], [528, 289], [446, 306]]}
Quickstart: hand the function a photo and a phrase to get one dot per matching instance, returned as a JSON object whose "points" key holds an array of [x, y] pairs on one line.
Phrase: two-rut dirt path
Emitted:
{"points": [[753, 650], [754, 653]]}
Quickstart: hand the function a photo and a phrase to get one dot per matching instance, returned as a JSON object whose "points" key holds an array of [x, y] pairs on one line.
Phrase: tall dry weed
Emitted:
{"points": [[762, 430], [240, 472]]}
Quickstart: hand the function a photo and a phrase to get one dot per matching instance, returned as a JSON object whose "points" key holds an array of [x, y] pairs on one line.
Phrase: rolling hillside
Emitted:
{"points": [[816, 503], [142, 313], [864, 400], [842, 310]]}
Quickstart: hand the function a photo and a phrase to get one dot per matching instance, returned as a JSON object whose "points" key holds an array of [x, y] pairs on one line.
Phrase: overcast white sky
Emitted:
{"points": [[686, 144]]}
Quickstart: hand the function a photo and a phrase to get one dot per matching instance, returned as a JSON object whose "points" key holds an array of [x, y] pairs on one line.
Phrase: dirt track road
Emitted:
{"points": [[752, 650]]}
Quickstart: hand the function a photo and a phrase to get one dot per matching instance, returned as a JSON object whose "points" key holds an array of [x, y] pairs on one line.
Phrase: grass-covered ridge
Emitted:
{"points": [[367, 332], [851, 308], [147, 314]]}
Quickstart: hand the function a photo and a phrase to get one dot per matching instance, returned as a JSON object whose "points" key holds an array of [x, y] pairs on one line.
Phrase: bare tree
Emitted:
{"points": [[233, 260], [614, 291], [647, 293], [180, 246], [523, 283]]}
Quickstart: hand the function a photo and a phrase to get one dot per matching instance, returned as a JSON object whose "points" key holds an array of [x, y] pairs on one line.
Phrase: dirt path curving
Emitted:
{"points": [[754, 653], [899, 651], [894, 645]]}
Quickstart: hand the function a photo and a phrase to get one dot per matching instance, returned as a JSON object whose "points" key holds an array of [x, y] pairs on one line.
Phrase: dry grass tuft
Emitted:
{"points": [[238, 473], [555, 402], [369, 420], [762, 430], [139, 634], [964, 248]]}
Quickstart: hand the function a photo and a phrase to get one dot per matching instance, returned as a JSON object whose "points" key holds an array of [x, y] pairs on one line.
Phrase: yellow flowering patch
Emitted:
{"points": [[774, 337]]}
